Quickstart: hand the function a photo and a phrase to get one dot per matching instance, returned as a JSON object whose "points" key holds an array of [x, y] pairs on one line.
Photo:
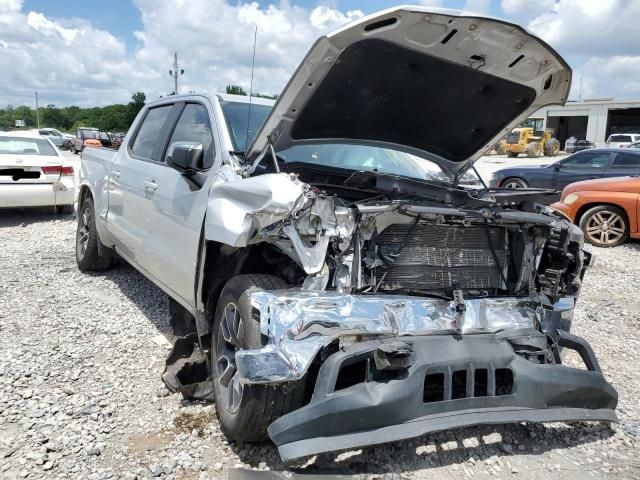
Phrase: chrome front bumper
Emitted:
{"points": [[299, 323]]}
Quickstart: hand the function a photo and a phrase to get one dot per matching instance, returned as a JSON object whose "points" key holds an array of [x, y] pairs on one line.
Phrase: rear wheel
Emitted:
{"points": [[244, 411], [511, 154], [514, 183], [605, 226], [551, 147], [533, 150], [88, 255]]}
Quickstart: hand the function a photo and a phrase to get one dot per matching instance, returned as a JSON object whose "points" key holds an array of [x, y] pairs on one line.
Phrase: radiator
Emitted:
{"points": [[437, 257]]}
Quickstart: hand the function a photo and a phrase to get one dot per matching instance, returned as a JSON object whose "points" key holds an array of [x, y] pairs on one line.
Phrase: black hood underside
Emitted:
{"points": [[416, 100]]}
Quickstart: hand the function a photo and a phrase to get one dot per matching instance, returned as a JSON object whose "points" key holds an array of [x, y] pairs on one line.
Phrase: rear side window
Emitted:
{"points": [[626, 160], [148, 136], [194, 126], [588, 160], [620, 138]]}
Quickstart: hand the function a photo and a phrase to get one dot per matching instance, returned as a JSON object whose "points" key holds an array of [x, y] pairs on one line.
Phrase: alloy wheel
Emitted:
{"points": [[83, 233], [513, 184], [605, 227], [228, 342]]}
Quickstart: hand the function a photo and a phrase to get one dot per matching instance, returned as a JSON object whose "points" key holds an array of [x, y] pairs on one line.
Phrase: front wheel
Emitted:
{"points": [[244, 411], [514, 183], [605, 226], [533, 150]]}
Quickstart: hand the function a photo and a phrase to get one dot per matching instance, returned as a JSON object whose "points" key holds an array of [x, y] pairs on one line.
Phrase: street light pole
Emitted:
{"points": [[37, 111]]}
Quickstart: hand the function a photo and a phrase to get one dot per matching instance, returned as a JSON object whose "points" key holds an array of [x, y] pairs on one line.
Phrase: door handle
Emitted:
{"points": [[150, 185], [115, 173]]}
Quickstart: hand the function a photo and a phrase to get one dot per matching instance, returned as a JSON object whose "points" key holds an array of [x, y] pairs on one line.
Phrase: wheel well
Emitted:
{"points": [[223, 262], [583, 209], [84, 193]]}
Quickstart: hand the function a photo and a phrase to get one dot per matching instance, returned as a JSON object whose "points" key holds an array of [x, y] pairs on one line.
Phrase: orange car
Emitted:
{"points": [[607, 209]]}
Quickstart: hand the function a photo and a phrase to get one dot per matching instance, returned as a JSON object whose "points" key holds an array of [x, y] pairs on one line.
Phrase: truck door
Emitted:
{"points": [[130, 185], [177, 205], [581, 166]]}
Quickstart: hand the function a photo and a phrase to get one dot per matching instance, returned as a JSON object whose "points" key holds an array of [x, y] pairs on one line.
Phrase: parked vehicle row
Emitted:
{"points": [[284, 232], [33, 173], [583, 165]]}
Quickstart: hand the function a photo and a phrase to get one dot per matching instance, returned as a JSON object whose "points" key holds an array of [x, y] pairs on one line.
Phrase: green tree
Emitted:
{"points": [[235, 90], [138, 100]]}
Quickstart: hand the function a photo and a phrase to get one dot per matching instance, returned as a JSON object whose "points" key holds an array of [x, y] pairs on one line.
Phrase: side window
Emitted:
{"points": [[626, 160], [588, 160], [194, 126], [149, 132], [43, 132]]}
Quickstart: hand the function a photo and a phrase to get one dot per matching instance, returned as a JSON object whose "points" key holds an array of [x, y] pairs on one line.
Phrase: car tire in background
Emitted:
{"points": [[514, 182], [244, 411], [533, 150], [552, 147], [605, 226], [64, 209], [88, 255]]}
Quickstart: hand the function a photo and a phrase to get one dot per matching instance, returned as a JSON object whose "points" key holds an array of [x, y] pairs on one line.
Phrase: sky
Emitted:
{"points": [[89, 52]]}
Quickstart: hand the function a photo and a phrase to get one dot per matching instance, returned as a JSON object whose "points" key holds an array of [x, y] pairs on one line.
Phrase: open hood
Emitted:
{"points": [[441, 84]]}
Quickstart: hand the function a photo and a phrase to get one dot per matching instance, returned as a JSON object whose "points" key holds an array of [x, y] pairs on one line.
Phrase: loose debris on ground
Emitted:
{"points": [[81, 395]]}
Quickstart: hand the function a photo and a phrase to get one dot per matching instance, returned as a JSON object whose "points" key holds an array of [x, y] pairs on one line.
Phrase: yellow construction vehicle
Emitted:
{"points": [[531, 138]]}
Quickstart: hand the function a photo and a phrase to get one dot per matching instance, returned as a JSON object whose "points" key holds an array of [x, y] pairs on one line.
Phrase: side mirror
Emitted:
{"points": [[186, 157], [557, 166]]}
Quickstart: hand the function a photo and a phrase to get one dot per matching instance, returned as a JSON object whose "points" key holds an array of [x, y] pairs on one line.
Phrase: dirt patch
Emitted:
{"points": [[188, 422], [150, 442]]}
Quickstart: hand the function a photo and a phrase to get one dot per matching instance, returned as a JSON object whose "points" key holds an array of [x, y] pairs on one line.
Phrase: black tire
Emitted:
{"points": [[511, 154], [64, 209], [514, 182], [551, 147], [533, 150], [245, 418], [605, 226], [88, 257]]}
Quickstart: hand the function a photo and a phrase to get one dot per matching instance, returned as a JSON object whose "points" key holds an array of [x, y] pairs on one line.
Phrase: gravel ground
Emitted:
{"points": [[81, 395]]}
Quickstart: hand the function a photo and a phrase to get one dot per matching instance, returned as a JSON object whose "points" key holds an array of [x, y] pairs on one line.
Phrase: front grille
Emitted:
{"points": [[513, 138], [443, 386], [437, 257]]}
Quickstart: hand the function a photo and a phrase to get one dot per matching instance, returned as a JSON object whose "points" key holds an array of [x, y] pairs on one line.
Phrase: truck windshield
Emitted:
{"points": [[236, 114], [365, 157]]}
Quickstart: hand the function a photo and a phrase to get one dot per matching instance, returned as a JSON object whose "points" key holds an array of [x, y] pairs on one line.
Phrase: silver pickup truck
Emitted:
{"points": [[338, 285]]}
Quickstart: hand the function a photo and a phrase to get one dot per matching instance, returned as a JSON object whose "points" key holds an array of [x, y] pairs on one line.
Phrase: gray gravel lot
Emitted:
{"points": [[81, 395]]}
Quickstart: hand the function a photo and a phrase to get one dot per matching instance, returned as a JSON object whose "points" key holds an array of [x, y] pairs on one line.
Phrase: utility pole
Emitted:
{"points": [[175, 73], [37, 111]]}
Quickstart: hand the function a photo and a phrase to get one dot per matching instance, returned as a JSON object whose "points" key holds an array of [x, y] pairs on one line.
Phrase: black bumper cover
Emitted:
{"points": [[474, 391]]}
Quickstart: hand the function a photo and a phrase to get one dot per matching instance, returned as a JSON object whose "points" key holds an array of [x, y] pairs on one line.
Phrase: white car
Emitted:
{"points": [[622, 140], [33, 173]]}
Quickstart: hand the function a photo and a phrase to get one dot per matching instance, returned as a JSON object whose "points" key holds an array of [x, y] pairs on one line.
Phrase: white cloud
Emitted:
{"points": [[71, 61], [479, 6], [598, 38], [526, 9], [591, 27], [431, 3]]}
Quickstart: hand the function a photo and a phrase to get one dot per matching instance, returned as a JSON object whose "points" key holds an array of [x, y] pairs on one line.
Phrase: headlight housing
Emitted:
{"points": [[571, 198]]}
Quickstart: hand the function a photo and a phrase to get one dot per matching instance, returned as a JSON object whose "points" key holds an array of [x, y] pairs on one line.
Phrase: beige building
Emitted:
{"points": [[592, 119]]}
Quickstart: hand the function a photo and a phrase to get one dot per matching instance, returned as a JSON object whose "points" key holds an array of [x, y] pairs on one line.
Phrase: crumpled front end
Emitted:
{"points": [[386, 368], [375, 391]]}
